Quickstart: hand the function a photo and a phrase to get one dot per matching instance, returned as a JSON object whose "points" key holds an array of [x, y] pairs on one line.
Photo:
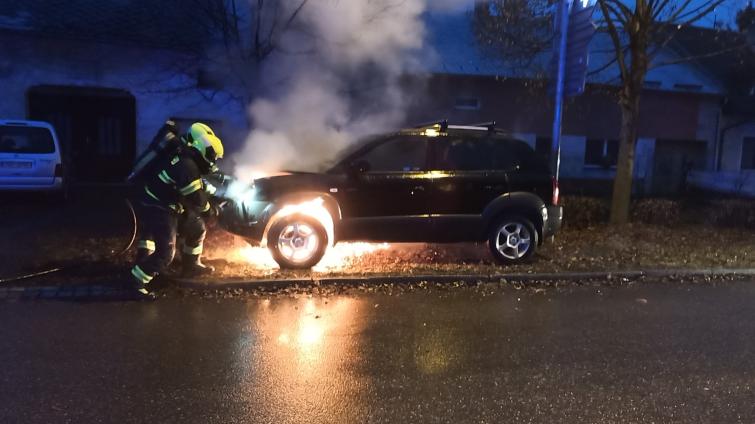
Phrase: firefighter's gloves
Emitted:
{"points": [[213, 212], [171, 127]]}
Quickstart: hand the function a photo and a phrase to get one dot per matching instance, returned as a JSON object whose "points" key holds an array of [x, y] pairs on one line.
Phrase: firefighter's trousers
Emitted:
{"points": [[158, 228]]}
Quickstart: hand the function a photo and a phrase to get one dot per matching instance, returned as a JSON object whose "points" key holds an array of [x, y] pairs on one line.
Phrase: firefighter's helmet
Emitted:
{"points": [[201, 138]]}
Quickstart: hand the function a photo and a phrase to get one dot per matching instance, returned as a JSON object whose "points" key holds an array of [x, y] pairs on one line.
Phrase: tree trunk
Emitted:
{"points": [[622, 184]]}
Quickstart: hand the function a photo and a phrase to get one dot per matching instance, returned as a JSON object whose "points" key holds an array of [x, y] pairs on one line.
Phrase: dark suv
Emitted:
{"points": [[436, 183]]}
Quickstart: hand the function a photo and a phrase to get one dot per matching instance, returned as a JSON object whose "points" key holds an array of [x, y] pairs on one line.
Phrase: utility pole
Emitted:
{"points": [[574, 29], [562, 26]]}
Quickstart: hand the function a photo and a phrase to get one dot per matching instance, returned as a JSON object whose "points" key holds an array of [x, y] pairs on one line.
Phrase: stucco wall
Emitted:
{"points": [[153, 77], [708, 125], [731, 151]]}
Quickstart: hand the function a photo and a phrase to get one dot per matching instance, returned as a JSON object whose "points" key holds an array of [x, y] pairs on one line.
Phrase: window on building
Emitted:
{"points": [[748, 153], [467, 103], [601, 152], [110, 136]]}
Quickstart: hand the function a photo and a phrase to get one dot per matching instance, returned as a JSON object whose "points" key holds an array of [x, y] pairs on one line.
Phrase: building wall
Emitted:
{"points": [[154, 77], [729, 177], [709, 123], [526, 110], [524, 106], [731, 149]]}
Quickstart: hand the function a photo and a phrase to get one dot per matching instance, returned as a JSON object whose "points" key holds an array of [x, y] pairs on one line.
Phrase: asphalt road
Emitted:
{"points": [[648, 353]]}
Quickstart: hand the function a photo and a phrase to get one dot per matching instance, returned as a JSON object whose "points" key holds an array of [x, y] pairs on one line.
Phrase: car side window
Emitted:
{"points": [[506, 156], [483, 154], [520, 156], [401, 154], [465, 154]]}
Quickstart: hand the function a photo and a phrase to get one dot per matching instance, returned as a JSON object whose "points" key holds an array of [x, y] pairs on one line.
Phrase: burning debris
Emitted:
{"points": [[338, 258]]}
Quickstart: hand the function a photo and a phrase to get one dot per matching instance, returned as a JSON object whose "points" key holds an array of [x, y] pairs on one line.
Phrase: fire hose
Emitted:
{"points": [[61, 268], [220, 183]]}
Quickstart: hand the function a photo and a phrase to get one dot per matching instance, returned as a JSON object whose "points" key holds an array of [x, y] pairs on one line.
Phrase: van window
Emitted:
{"points": [[25, 140]]}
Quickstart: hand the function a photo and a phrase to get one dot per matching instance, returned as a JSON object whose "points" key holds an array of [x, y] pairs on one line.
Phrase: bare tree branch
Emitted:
{"points": [[602, 68], [258, 27], [626, 12], [702, 13], [294, 14], [614, 33], [673, 28], [674, 15], [701, 56]]}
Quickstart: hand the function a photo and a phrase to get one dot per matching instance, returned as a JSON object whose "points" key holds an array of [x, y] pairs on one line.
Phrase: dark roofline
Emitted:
{"points": [[36, 35], [727, 56]]}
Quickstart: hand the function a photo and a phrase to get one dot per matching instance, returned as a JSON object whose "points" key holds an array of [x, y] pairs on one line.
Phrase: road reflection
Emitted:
{"points": [[437, 349], [315, 359], [301, 359]]}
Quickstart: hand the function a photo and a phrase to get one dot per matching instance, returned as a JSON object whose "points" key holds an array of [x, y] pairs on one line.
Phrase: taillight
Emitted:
{"points": [[59, 170], [555, 191]]}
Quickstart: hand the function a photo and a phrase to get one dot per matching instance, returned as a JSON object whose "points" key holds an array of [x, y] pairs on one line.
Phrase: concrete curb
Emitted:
{"points": [[80, 293], [101, 292], [277, 284]]}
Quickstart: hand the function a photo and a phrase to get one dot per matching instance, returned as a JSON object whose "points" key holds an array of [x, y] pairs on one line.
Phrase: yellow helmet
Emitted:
{"points": [[201, 137]]}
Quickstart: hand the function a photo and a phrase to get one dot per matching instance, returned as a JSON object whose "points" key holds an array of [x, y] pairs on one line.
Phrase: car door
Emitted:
{"points": [[465, 180], [388, 200], [524, 170]]}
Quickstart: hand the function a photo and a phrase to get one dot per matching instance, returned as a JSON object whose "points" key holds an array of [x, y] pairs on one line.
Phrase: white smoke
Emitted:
{"points": [[335, 76]]}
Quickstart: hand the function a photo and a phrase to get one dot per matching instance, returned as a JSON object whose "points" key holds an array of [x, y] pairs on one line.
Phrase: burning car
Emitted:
{"points": [[435, 183]]}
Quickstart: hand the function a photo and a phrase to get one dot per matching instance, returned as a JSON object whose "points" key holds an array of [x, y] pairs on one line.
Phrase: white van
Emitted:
{"points": [[29, 156]]}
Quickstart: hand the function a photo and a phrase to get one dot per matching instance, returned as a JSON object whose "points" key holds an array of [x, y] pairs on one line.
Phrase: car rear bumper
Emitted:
{"points": [[43, 184], [552, 223]]}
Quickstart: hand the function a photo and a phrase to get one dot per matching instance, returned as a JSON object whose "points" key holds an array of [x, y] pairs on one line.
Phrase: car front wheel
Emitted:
{"points": [[513, 240], [297, 242]]}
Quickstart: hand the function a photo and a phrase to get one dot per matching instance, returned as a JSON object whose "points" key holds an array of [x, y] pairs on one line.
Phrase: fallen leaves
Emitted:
{"points": [[603, 248]]}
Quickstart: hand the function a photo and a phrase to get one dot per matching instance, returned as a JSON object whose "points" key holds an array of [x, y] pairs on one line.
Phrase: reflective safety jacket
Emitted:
{"points": [[176, 183]]}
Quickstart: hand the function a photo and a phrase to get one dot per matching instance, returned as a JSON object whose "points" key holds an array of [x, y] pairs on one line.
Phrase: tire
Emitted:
{"points": [[297, 242], [512, 240]]}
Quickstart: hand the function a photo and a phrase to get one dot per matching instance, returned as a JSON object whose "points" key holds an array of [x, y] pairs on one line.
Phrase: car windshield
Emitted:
{"points": [[17, 139]]}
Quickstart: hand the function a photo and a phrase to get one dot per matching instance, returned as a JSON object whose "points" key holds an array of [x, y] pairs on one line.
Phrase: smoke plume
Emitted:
{"points": [[334, 75]]}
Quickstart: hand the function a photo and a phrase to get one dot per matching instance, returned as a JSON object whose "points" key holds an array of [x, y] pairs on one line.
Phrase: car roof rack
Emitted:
{"points": [[490, 125], [443, 124], [483, 126]]}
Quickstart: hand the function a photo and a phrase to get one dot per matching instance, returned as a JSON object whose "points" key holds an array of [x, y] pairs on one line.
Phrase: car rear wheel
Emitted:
{"points": [[513, 240], [297, 242]]}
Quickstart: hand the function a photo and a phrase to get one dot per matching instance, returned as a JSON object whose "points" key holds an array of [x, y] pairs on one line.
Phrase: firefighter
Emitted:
{"points": [[172, 198], [166, 143], [191, 226]]}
